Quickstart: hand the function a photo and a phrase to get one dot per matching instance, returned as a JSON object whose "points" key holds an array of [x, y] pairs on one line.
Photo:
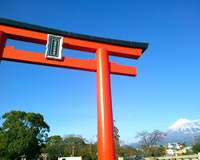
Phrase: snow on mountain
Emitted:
{"points": [[183, 130], [185, 125]]}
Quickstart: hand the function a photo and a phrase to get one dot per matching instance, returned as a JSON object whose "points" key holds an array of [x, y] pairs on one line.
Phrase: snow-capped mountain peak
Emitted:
{"points": [[183, 130], [185, 125], [179, 123]]}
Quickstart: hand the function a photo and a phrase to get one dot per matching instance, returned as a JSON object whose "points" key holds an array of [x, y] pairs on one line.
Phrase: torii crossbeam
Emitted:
{"points": [[103, 47]]}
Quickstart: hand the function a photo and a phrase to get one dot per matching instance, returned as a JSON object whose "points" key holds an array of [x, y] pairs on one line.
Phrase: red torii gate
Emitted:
{"points": [[103, 47]]}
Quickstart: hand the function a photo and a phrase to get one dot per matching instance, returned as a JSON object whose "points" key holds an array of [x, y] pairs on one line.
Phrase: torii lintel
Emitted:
{"points": [[36, 34]]}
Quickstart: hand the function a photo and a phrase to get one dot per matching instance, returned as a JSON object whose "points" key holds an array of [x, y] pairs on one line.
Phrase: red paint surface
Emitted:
{"points": [[102, 67], [11, 54], [3, 39], [106, 146], [71, 43]]}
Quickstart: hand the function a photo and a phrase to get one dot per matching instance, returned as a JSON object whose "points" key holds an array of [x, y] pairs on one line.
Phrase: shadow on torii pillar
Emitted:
{"points": [[102, 47]]}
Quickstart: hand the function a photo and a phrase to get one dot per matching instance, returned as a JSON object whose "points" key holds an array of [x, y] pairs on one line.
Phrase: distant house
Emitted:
{"points": [[177, 149], [170, 151]]}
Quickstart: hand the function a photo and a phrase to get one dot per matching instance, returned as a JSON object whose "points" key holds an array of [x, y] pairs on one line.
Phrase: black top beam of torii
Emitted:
{"points": [[42, 29]]}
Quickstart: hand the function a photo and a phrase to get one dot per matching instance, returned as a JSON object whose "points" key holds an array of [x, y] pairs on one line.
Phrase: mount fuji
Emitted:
{"points": [[183, 130]]}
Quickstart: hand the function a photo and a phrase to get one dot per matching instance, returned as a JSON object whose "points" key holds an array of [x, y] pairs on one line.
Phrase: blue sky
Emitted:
{"points": [[165, 89]]}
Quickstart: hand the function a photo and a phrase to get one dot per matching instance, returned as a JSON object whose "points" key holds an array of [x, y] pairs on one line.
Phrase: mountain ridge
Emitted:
{"points": [[183, 130]]}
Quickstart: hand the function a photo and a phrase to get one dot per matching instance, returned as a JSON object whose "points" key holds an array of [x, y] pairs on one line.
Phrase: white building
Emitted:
{"points": [[170, 152]]}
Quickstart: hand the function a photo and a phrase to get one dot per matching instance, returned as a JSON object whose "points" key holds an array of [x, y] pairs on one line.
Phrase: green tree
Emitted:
{"points": [[196, 146], [118, 148], [184, 144], [73, 145], [93, 151], [22, 134], [155, 151], [128, 151], [149, 142], [54, 147], [85, 152], [159, 151], [77, 146]]}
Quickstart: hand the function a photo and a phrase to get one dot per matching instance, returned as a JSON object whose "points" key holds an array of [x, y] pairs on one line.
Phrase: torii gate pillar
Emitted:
{"points": [[106, 147]]}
